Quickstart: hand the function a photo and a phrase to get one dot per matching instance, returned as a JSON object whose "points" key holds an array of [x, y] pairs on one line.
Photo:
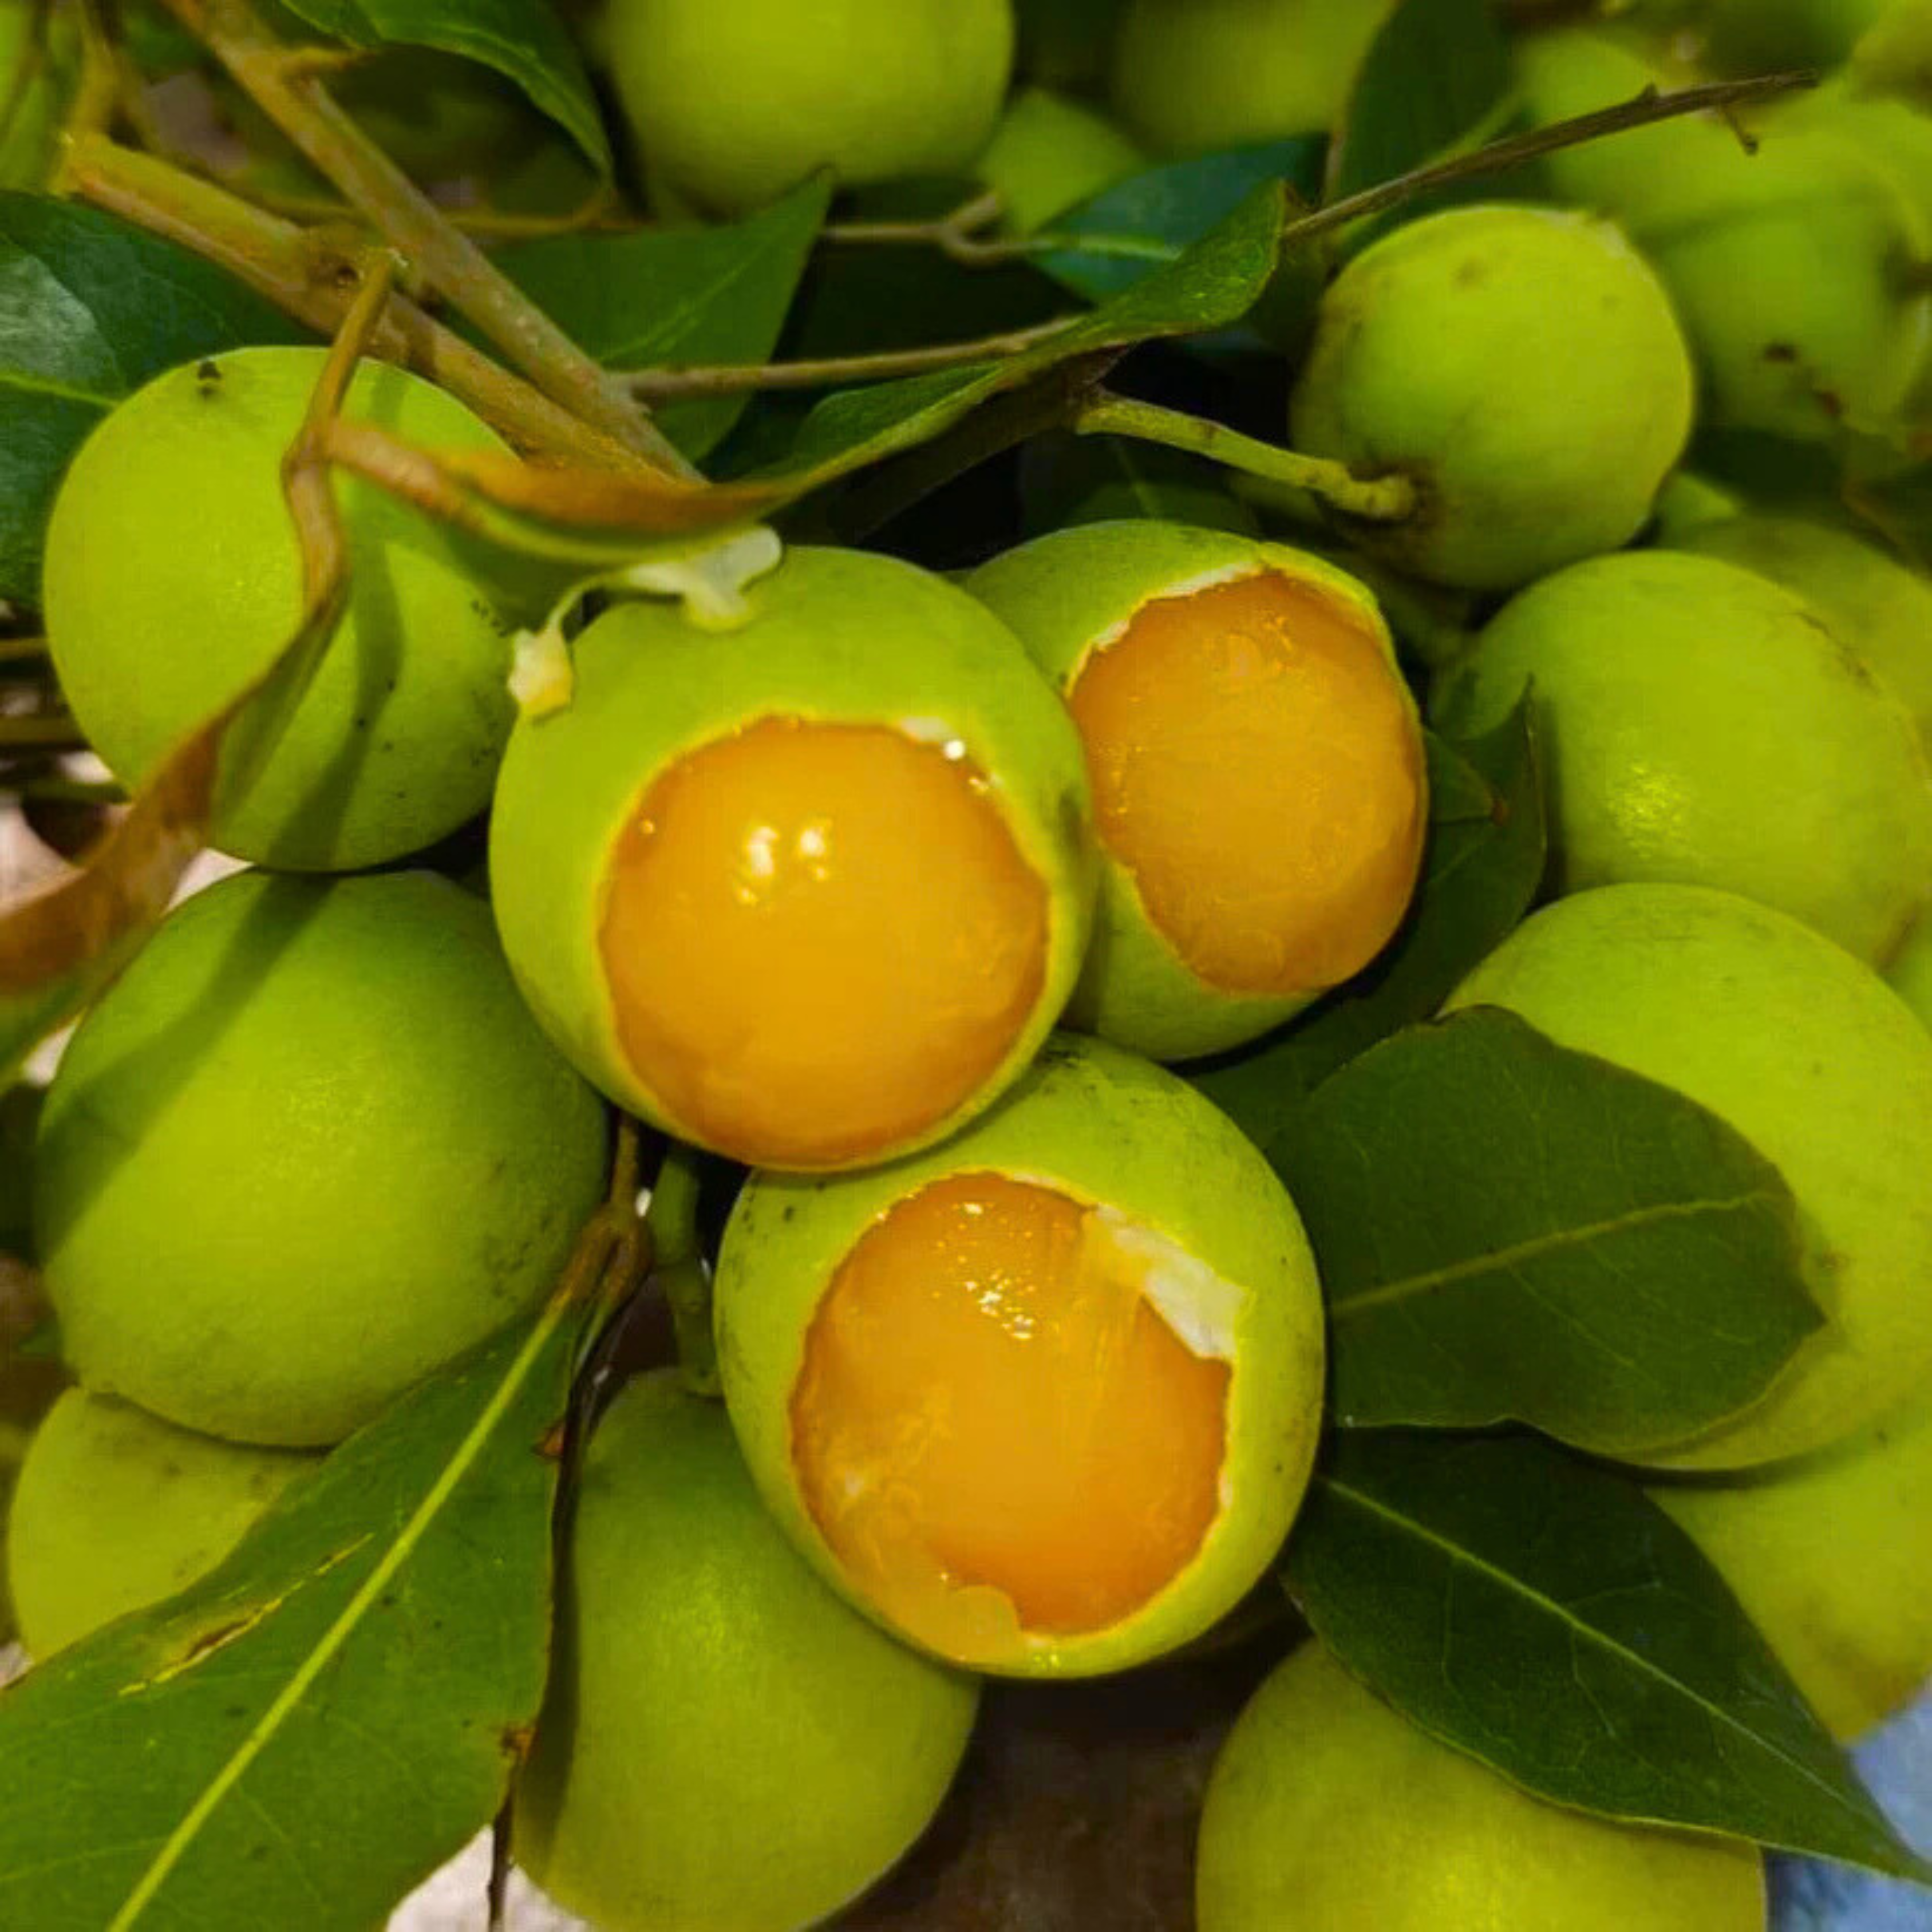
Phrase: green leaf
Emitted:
{"points": [[90, 309], [1138, 224], [524, 41], [1067, 479], [1211, 284], [1548, 1618], [1437, 73], [1578, 1249], [1484, 864], [300, 1738], [678, 298]]}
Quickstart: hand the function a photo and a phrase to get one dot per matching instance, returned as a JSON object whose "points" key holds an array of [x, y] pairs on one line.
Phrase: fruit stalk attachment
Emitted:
{"points": [[678, 1262], [1380, 500]]}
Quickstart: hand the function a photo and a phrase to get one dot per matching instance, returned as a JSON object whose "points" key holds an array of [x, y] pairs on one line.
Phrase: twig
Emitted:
{"points": [[598, 214], [956, 233], [1381, 499], [1499, 156], [314, 278], [731, 378], [23, 650], [286, 84]]}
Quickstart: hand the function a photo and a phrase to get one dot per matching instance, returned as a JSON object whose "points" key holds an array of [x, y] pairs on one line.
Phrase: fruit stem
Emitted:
{"points": [[1379, 500], [58, 733], [315, 279], [677, 1261], [287, 84], [731, 378]]}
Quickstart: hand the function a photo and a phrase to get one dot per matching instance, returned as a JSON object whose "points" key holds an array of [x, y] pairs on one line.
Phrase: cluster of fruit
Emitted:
{"points": [[903, 892]]}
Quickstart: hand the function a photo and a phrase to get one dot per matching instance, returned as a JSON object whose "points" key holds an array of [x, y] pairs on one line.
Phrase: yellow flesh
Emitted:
{"points": [[1257, 770], [821, 939], [995, 1430]]}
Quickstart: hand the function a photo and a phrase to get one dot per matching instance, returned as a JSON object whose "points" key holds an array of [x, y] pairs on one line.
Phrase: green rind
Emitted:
{"points": [[733, 106], [1106, 1127], [1817, 1063], [1063, 593], [115, 1510], [1433, 358], [1705, 727], [1831, 1559], [308, 1147], [725, 1743], [173, 576], [834, 635], [1877, 605], [1048, 154], [1327, 1808]]}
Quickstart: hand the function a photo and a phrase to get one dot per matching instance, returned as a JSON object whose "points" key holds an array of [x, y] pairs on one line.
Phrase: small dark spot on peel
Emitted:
{"points": [[516, 1740], [550, 1445]]}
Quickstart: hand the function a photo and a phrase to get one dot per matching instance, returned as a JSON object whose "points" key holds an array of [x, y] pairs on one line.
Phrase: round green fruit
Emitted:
{"points": [[1411, 343], [1832, 1558], [1818, 1063], [725, 1745], [1042, 1400], [1049, 154], [734, 102], [1256, 765], [1819, 217], [1877, 605], [1909, 971], [173, 577], [1704, 726], [717, 872], [308, 1147], [1193, 76], [1328, 1812], [116, 1511]]}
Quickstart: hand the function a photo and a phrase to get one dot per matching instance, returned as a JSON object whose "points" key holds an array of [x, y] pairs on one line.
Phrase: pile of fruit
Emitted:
{"points": [[1334, 1027]]}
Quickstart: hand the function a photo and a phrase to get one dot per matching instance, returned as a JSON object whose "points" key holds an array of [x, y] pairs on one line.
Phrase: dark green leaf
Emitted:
{"points": [[1548, 1618], [1067, 479], [524, 41], [1212, 283], [1138, 224], [678, 298], [1482, 869], [297, 1740], [90, 309], [1578, 1249], [1438, 73]]}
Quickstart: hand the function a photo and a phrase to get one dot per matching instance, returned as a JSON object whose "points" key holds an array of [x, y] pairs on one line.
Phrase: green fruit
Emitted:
{"points": [[1873, 602], [171, 525], [306, 1149], [1256, 764], [1818, 1063], [116, 1511], [777, 803], [1704, 726], [1328, 1812], [1833, 1560], [1909, 971], [726, 1747], [1780, 36], [1516, 475], [733, 102], [1042, 1400], [1048, 153], [1193, 76], [1819, 219]]}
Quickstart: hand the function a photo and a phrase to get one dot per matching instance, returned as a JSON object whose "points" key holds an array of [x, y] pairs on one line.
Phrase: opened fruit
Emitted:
{"points": [[1257, 770], [718, 873], [1044, 1399]]}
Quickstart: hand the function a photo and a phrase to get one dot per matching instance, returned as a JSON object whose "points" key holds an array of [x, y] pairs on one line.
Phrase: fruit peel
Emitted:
{"points": [[1107, 1128], [1067, 596], [650, 686]]}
